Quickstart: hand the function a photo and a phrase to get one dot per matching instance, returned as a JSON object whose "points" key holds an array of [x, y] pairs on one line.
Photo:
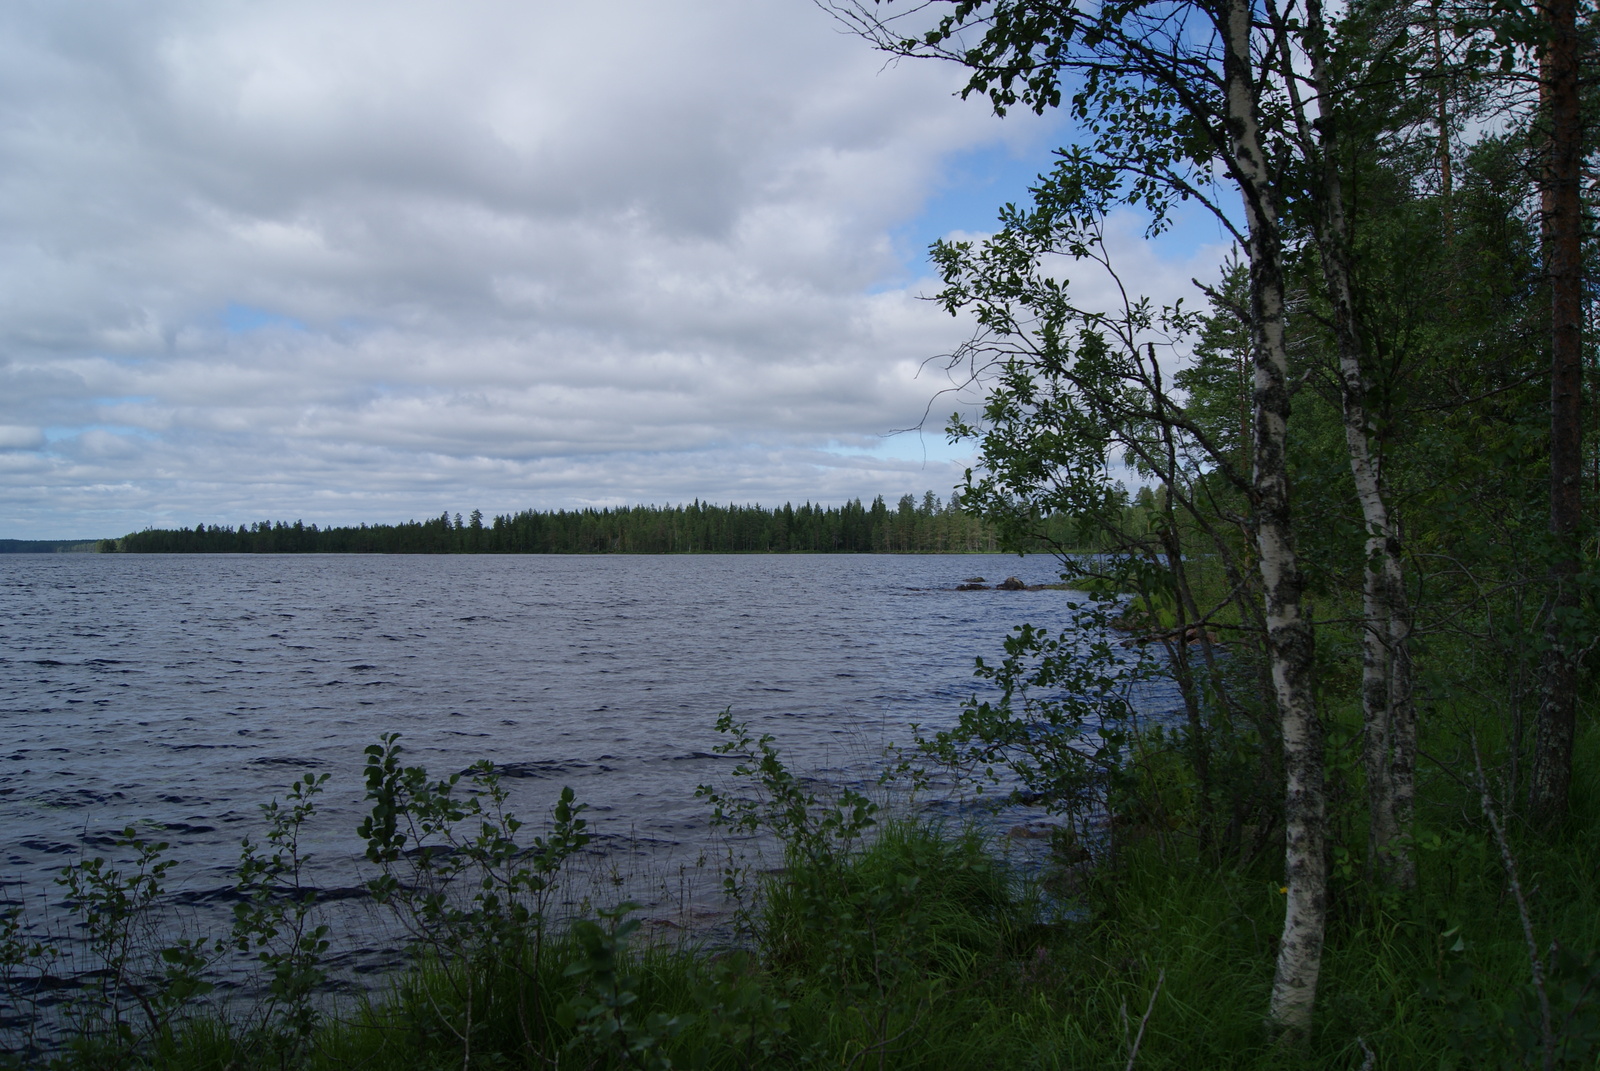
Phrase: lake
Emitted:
{"points": [[182, 692]]}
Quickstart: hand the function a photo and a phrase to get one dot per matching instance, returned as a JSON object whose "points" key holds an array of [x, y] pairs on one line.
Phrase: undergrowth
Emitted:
{"points": [[880, 943]]}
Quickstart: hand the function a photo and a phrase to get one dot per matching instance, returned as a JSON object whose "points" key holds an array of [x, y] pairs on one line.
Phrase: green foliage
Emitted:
{"points": [[141, 984], [25, 960], [814, 833], [274, 920], [870, 924], [604, 1015], [1061, 724], [741, 1014], [468, 894], [1501, 1026]]}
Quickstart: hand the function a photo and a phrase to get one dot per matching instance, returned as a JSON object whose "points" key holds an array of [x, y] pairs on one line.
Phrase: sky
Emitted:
{"points": [[370, 260]]}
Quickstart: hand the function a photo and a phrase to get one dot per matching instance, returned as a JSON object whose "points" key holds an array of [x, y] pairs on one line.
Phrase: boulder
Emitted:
{"points": [[1011, 583]]}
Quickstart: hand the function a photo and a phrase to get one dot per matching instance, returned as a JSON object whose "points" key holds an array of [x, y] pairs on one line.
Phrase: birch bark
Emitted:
{"points": [[1289, 642], [1388, 712]]}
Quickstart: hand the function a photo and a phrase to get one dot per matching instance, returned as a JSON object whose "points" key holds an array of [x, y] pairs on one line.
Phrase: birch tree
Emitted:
{"points": [[1388, 711], [1171, 95]]}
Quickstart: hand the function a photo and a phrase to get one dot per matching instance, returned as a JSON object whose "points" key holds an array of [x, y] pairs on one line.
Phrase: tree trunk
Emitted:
{"points": [[1289, 643], [1442, 119], [1563, 229], [1187, 616], [1388, 713]]}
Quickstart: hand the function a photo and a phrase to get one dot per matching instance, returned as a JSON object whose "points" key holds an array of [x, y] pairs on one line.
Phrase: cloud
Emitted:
{"points": [[367, 261], [19, 437]]}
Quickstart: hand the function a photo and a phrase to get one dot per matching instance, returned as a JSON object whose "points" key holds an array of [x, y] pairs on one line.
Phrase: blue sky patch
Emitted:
{"points": [[56, 433], [976, 183], [239, 319], [968, 198]]}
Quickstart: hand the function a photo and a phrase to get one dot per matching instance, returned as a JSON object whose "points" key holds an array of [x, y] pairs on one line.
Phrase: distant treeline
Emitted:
{"points": [[50, 546], [928, 526]]}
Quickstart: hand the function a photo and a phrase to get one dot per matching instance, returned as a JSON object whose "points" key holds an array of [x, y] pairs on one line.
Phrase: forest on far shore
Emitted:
{"points": [[928, 526]]}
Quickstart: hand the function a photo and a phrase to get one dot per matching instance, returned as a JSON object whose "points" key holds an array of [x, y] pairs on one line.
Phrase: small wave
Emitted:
{"points": [[47, 847], [536, 768]]}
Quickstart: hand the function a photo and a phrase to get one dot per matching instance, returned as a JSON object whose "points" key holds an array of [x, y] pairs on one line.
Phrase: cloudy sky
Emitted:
{"points": [[346, 260]]}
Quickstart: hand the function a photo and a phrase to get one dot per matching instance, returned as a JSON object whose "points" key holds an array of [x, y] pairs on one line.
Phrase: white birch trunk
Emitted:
{"points": [[1388, 715], [1289, 643]]}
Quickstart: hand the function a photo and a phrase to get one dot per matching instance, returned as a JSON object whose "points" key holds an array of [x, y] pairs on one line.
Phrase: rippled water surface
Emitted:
{"points": [[186, 690], [181, 692]]}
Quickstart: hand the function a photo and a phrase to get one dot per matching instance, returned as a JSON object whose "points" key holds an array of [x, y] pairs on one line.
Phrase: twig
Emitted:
{"points": [[1133, 1053], [1547, 1038]]}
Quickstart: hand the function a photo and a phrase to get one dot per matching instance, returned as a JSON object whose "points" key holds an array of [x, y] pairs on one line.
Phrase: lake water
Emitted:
{"points": [[181, 692]]}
